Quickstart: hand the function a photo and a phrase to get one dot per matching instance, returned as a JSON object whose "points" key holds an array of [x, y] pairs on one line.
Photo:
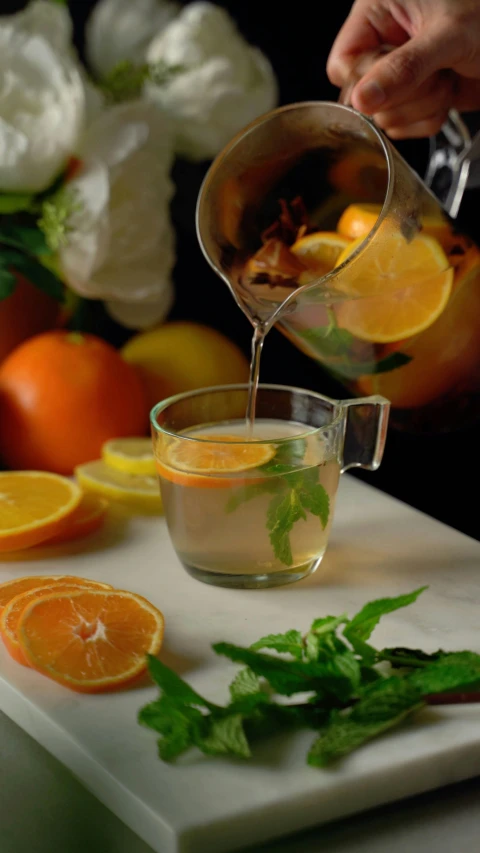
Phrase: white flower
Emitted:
{"points": [[42, 98], [226, 83], [119, 30], [120, 242]]}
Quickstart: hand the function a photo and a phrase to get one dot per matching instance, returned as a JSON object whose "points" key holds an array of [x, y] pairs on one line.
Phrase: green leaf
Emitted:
{"points": [[347, 664], [290, 643], [15, 202], [383, 709], [175, 687], [284, 510], [403, 657], [30, 240], [454, 671], [316, 501], [177, 725], [36, 273], [288, 677], [322, 631], [363, 624], [329, 341], [245, 683], [352, 370], [364, 650], [328, 624], [8, 283], [289, 454], [225, 735]]}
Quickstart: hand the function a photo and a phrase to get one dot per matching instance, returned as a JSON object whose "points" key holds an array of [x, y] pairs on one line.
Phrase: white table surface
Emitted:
{"points": [[379, 547], [43, 809]]}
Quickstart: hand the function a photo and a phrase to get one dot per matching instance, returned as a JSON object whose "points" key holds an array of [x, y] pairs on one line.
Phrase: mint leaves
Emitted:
{"points": [[336, 347], [345, 696], [295, 492]]}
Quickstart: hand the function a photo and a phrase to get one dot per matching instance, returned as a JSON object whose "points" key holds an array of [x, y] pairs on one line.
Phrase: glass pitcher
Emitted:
{"points": [[319, 227]]}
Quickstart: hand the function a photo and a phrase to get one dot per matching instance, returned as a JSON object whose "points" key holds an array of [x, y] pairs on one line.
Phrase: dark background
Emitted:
{"points": [[434, 474]]}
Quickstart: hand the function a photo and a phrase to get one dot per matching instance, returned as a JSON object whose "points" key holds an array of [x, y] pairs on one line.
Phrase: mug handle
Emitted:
{"points": [[451, 150], [365, 431]]}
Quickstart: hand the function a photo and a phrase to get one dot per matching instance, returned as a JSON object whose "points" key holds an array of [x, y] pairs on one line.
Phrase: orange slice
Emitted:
{"points": [[320, 250], [358, 219], [212, 464], [10, 589], [34, 506], [404, 288], [13, 610], [85, 519], [90, 640]]}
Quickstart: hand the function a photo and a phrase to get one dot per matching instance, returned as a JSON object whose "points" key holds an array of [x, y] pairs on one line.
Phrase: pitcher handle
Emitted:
{"points": [[365, 431], [451, 150]]}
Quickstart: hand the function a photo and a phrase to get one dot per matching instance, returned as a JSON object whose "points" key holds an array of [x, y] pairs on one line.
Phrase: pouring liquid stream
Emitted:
{"points": [[258, 339]]}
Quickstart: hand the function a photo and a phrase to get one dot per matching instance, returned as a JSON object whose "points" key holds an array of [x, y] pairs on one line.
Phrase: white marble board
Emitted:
{"points": [[378, 547]]}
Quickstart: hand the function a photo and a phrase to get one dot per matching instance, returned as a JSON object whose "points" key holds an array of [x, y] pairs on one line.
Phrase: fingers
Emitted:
{"points": [[417, 130], [426, 112], [365, 31], [394, 78]]}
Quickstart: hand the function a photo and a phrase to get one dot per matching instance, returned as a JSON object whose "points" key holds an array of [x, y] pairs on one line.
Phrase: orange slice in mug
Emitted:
{"points": [[211, 464]]}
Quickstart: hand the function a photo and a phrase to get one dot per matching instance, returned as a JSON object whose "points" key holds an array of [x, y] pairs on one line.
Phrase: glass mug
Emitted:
{"points": [[390, 302], [256, 511]]}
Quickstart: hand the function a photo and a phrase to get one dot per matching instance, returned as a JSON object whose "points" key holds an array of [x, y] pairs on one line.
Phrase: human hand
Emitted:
{"points": [[432, 64]]}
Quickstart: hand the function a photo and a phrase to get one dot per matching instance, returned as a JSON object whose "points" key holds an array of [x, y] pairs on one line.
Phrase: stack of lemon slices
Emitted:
{"points": [[38, 507], [126, 473]]}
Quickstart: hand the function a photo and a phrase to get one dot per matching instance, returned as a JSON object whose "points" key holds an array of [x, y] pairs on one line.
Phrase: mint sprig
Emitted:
{"points": [[334, 688], [295, 492], [335, 346]]}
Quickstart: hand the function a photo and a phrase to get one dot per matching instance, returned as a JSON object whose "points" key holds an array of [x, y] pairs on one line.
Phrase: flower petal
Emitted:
{"points": [[225, 85], [119, 30], [142, 315], [42, 108], [125, 225]]}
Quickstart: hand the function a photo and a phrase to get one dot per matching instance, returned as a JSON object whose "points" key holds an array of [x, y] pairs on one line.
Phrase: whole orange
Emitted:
{"points": [[62, 395]]}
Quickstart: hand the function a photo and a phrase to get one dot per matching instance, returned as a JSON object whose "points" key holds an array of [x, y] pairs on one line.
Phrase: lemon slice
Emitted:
{"points": [[137, 492], [130, 455]]}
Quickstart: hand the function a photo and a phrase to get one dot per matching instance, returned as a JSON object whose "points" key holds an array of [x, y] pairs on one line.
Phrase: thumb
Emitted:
{"points": [[394, 79]]}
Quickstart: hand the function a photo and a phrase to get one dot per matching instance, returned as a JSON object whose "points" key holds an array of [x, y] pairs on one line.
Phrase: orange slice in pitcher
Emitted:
{"points": [[320, 250], [358, 219], [90, 640], [212, 464], [403, 288]]}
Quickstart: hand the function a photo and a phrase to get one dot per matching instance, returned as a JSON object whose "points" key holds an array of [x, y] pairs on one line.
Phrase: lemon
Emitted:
{"points": [[182, 356], [140, 493], [130, 455]]}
